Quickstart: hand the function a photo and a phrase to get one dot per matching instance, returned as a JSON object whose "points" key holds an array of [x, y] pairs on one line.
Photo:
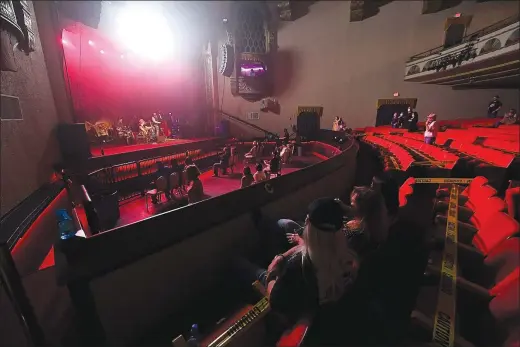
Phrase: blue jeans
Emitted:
{"points": [[492, 114], [429, 140]]}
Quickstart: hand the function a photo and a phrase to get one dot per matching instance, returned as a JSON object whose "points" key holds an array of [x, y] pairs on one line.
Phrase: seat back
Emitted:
{"points": [[502, 260], [161, 184], [494, 231], [475, 184], [480, 196], [506, 301], [487, 209], [295, 336], [513, 202], [174, 180]]}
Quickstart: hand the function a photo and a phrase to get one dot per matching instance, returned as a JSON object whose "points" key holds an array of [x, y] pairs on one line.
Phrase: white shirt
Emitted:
{"points": [[432, 129], [259, 176]]}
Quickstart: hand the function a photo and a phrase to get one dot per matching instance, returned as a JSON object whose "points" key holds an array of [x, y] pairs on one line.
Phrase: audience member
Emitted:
{"points": [[162, 171], [395, 120], [317, 273], [286, 136], [273, 166], [432, 128], [223, 162], [253, 152], [510, 118], [247, 178], [179, 170], [195, 187], [401, 120], [259, 175], [494, 106], [335, 124], [413, 118], [285, 153], [369, 226]]}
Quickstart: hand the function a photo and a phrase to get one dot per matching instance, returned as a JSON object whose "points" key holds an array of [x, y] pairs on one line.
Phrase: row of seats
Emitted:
{"points": [[434, 152], [488, 268], [502, 145], [488, 155], [404, 158]]}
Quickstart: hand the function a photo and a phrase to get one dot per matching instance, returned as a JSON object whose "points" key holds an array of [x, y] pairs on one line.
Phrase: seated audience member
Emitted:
{"points": [[369, 226], [259, 175], [195, 189], [286, 136], [162, 171], [395, 121], [247, 178], [285, 153], [318, 273], [432, 128], [510, 118], [253, 152], [273, 166], [223, 163]]}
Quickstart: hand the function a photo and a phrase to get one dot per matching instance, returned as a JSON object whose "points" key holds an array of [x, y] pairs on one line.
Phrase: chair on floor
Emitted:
{"points": [[174, 184], [160, 188]]}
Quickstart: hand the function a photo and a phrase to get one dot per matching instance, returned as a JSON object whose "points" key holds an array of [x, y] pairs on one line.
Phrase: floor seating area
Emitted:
{"points": [[487, 305]]}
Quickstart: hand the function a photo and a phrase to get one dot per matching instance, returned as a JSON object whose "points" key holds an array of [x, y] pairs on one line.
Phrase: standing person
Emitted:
{"points": [[335, 124], [432, 128], [395, 120], [413, 118], [286, 136], [223, 163], [494, 106]]}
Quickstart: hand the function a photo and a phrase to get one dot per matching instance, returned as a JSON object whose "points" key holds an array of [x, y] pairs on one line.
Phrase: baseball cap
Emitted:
{"points": [[326, 214]]}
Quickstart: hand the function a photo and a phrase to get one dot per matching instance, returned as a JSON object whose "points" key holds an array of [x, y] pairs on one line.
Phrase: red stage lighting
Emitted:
{"points": [[90, 42], [102, 51]]}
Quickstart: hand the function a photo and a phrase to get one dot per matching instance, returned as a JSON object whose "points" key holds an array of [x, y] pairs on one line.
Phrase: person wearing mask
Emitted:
{"points": [[510, 118], [195, 188], [413, 118], [432, 128], [494, 106], [247, 178], [395, 120], [223, 163], [313, 275], [259, 175]]}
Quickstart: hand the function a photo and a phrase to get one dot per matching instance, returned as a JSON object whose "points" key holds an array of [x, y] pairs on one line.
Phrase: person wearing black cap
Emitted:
{"points": [[319, 271], [494, 107]]}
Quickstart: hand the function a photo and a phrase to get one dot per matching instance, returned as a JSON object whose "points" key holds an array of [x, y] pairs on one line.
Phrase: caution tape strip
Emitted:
{"points": [[443, 180], [444, 324]]}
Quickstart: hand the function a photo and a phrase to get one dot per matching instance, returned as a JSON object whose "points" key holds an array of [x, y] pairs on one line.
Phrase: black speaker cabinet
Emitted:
{"points": [[74, 142]]}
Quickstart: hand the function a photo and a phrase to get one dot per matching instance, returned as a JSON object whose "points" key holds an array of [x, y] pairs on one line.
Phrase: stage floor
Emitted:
{"points": [[111, 149]]}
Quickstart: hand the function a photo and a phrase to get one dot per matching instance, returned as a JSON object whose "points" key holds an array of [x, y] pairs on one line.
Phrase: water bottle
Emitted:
{"points": [[194, 339], [65, 224]]}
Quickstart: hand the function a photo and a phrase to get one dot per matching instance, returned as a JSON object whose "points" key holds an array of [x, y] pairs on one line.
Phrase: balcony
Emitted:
{"points": [[488, 58]]}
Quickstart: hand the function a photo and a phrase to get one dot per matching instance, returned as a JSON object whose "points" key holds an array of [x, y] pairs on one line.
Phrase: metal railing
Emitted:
{"points": [[241, 121], [470, 37]]}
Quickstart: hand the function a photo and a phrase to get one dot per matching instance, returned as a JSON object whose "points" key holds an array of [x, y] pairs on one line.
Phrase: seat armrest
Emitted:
{"points": [[423, 322], [469, 254], [462, 283], [295, 336]]}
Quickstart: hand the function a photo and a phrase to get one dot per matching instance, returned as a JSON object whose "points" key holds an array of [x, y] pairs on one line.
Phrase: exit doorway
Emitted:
{"points": [[387, 107]]}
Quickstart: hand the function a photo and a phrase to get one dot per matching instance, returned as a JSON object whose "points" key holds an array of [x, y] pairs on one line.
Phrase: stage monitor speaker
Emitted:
{"points": [[73, 140], [227, 60]]}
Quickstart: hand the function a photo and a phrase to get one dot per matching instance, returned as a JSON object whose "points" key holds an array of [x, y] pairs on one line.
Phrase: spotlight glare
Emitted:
{"points": [[122, 56], [63, 41], [102, 51], [90, 42], [152, 38]]}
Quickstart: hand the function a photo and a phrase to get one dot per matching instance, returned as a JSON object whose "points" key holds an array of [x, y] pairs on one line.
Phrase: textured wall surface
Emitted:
{"points": [[28, 147], [325, 60]]}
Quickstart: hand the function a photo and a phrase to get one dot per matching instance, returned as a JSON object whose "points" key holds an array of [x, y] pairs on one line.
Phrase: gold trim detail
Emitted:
{"points": [[397, 101], [315, 109]]}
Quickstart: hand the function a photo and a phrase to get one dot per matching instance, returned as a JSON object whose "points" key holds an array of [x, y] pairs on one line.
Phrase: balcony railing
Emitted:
{"points": [[471, 37]]}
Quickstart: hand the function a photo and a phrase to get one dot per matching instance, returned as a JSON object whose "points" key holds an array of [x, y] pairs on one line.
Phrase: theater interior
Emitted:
{"points": [[148, 150]]}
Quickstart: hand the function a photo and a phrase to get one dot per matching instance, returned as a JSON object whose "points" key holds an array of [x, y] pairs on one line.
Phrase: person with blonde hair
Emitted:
{"points": [[318, 271]]}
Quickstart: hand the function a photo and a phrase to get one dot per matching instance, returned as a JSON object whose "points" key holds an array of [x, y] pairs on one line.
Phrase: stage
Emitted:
{"points": [[119, 154], [110, 149]]}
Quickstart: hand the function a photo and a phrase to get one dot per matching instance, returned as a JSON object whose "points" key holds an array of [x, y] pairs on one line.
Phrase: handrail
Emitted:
{"points": [[470, 37], [237, 119]]}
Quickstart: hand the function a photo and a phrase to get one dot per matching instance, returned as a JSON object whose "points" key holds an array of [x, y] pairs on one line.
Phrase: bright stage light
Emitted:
{"points": [[90, 42], [102, 51], [64, 42], [145, 31]]}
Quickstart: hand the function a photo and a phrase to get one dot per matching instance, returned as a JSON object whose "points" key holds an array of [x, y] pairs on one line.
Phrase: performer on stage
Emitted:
{"points": [[124, 131], [144, 129], [156, 122], [165, 130]]}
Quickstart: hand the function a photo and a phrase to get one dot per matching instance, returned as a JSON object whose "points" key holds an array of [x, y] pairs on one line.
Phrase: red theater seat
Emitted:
{"points": [[513, 202], [494, 231], [295, 336], [503, 145]]}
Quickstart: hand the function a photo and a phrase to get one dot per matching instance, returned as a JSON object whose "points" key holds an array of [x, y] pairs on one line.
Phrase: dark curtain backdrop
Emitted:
{"points": [[117, 83]]}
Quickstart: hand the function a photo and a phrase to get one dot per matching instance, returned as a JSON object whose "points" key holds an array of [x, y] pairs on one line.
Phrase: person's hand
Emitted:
{"points": [[275, 263], [294, 239]]}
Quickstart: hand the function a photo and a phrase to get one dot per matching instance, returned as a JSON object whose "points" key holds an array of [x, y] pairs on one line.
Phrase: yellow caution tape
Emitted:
{"points": [[444, 180], [444, 325]]}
